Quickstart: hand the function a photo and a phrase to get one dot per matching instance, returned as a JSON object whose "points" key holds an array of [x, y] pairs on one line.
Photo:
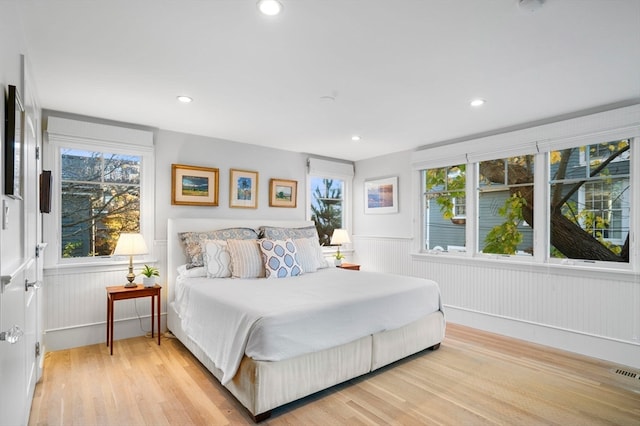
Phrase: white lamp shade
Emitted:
{"points": [[130, 245], [339, 237]]}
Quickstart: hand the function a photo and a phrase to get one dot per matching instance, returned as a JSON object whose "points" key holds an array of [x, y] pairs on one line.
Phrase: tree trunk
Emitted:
{"points": [[569, 238]]}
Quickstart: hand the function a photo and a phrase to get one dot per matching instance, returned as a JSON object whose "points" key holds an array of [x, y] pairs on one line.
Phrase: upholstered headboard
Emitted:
{"points": [[175, 251]]}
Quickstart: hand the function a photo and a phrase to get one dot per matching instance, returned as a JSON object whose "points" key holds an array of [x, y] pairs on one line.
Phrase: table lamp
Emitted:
{"points": [[339, 237], [130, 244]]}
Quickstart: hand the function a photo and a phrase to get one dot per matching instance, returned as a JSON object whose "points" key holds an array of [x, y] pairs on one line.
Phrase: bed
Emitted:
{"points": [[273, 341]]}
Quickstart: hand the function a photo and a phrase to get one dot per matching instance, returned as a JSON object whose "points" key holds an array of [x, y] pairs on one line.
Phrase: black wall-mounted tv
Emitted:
{"points": [[13, 144]]}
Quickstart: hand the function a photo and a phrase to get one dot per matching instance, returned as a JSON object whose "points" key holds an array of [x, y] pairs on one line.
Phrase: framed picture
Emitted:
{"points": [[283, 193], [381, 196], [194, 186], [13, 145], [243, 189]]}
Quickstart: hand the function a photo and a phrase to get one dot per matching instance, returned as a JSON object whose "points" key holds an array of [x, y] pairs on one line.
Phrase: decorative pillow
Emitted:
{"points": [[309, 232], [275, 233], [191, 273], [217, 260], [280, 258], [246, 259], [307, 254], [193, 247]]}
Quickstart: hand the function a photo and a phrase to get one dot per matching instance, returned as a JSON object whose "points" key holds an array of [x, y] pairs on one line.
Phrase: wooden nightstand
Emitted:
{"points": [[350, 266], [120, 292]]}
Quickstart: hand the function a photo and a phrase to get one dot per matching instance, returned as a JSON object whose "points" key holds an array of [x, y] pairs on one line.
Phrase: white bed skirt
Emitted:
{"points": [[261, 386]]}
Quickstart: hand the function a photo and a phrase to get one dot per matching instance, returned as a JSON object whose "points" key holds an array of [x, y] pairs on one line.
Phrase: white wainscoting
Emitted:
{"points": [[588, 312], [75, 300]]}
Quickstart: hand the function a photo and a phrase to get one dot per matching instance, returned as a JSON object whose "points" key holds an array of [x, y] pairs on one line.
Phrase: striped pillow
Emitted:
{"points": [[191, 241], [217, 260], [246, 259], [279, 258]]}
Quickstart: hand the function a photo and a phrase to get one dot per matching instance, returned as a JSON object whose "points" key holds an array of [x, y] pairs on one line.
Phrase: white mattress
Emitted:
{"points": [[273, 320]]}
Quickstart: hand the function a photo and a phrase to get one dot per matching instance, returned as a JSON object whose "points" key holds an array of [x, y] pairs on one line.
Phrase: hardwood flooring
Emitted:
{"points": [[475, 378]]}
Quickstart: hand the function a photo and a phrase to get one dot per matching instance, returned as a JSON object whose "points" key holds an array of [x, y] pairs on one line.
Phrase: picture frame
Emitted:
{"points": [[243, 189], [194, 186], [13, 144], [283, 193], [381, 196]]}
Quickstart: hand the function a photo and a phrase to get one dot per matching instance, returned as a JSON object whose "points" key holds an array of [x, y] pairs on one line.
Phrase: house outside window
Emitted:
{"points": [[590, 202], [102, 186], [505, 205], [445, 208], [100, 199]]}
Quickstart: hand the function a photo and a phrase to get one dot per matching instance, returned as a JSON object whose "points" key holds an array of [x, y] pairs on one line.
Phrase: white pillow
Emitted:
{"points": [[279, 257], [196, 272], [246, 259], [216, 257], [307, 254]]}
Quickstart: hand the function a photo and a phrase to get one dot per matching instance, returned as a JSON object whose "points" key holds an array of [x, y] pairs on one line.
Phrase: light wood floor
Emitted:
{"points": [[474, 378]]}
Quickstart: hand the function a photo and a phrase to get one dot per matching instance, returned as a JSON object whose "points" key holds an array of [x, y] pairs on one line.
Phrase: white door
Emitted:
{"points": [[13, 380]]}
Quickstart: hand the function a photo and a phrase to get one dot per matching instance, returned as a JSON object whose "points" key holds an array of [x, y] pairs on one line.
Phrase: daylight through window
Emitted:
{"points": [[100, 198]]}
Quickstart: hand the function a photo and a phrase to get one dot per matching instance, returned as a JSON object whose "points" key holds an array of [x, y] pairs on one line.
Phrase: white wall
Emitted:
{"points": [[180, 148], [385, 225]]}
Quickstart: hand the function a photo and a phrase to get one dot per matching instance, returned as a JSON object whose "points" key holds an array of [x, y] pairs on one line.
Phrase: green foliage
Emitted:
{"points": [[504, 238], [71, 248], [339, 256], [444, 185], [150, 271], [326, 212]]}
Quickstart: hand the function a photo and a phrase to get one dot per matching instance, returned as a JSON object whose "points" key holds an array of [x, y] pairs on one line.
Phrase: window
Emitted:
{"points": [[103, 186], [505, 205], [100, 198], [327, 206], [329, 185], [445, 208], [590, 202]]}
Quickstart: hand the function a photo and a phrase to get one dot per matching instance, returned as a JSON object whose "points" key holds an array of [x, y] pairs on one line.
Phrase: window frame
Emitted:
{"points": [[540, 140], [328, 169], [57, 141]]}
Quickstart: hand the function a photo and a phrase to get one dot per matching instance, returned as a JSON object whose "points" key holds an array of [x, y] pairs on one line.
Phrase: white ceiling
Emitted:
{"points": [[402, 71]]}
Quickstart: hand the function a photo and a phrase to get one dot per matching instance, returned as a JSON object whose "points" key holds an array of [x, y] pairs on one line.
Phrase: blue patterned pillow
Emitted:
{"points": [[192, 241], [279, 258]]}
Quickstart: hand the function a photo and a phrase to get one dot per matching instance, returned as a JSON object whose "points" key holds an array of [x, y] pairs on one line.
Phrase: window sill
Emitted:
{"points": [[103, 265], [529, 264]]}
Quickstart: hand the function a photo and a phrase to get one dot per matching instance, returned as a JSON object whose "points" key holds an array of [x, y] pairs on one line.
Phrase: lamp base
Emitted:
{"points": [[130, 285]]}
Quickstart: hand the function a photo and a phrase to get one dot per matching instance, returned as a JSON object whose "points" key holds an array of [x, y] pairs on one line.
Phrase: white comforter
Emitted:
{"points": [[276, 319]]}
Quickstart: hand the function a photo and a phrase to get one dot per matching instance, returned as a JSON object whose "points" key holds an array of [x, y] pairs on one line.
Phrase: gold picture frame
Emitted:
{"points": [[283, 193], [194, 186], [243, 189]]}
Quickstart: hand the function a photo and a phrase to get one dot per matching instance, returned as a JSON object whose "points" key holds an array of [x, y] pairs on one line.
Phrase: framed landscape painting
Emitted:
{"points": [[243, 191], [381, 196], [194, 186], [283, 193]]}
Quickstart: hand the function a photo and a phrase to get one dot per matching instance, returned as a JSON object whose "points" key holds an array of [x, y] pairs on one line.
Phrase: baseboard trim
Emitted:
{"points": [[615, 351], [91, 334]]}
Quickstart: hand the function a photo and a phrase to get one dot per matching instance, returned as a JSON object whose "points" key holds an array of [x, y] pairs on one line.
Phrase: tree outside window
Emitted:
{"points": [[589, 202], [327, 206], [100, 199], [444, 225]]}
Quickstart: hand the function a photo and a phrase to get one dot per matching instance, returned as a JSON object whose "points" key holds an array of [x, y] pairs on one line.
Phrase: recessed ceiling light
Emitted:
{"points": [[185, 99], [270, 7], [477, 102], [355, 138]]}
